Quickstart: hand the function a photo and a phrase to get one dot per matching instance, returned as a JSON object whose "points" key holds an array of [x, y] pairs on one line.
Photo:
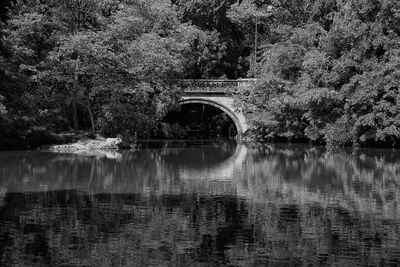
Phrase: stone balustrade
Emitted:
{"points": [[214, 86]]}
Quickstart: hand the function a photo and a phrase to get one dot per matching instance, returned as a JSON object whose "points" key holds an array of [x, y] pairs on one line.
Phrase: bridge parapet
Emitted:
{"points": [[204, 86]]}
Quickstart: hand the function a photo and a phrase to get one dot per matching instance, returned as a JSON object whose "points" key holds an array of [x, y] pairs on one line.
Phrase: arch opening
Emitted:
{"points": [[203, 120]]}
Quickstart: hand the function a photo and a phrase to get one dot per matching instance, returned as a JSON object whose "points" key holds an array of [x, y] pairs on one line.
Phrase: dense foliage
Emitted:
{"points": [[327, 70], [110, 66], [230, 60]]}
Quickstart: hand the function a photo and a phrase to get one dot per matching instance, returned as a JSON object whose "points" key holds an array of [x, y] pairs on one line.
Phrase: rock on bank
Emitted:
{"points": [[87, 145]]}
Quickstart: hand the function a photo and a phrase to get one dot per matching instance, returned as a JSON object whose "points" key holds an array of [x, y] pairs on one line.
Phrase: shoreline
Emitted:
{"points": [[76, 143]]}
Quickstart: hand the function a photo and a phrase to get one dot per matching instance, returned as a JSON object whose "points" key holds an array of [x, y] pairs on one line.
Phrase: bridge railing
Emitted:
{"points": [[214, 86]]}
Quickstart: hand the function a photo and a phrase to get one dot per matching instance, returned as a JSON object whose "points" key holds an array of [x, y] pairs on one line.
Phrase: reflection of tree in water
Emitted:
{"points": [[141, 171], [366, 178], [322, 207], [70, 228], [285, 206]]}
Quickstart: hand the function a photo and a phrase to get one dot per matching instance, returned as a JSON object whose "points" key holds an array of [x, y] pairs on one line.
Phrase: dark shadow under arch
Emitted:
{"points": [[230, 113]]}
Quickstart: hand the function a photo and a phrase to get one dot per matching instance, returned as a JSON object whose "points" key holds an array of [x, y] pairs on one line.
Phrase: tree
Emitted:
{"points": [[211, 16], [249, 15], [104, 62], [330, 77]]}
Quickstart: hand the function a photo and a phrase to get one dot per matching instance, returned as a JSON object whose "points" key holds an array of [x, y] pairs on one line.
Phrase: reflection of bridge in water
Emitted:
{"points": [[223, 171]]}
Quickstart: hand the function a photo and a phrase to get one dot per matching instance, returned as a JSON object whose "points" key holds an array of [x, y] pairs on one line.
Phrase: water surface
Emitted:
{"points": [[215, 203]]}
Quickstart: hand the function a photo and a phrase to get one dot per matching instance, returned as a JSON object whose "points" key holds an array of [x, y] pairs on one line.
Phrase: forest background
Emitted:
{"points": [[327, 71]]}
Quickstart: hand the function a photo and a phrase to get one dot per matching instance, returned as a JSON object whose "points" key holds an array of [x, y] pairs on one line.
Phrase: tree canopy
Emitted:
{"points": [[108, 65], [327, 72]]}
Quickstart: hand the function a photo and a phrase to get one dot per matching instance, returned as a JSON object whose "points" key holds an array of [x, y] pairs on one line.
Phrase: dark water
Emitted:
{"points": [[217, 204]]}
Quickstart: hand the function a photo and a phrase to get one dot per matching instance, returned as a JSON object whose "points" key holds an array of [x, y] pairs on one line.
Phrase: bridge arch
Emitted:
{"points": [[217, 93], [222, 103]]}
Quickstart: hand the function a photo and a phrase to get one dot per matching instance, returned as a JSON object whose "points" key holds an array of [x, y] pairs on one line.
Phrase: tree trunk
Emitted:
{"points": [[74, 112], [75, 99], [91, 117]]}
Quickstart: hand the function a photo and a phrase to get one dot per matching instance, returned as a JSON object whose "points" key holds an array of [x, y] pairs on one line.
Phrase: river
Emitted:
{"points": [[201, 204]]}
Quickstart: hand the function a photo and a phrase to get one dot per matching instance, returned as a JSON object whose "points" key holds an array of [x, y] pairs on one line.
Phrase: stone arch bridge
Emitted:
{"points": [[216, 93]]}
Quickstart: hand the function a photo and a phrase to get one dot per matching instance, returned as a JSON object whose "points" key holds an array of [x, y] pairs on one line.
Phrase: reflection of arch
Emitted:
{"points": [[223, 103], [199, 153], [223, 171], [238, 157]]}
